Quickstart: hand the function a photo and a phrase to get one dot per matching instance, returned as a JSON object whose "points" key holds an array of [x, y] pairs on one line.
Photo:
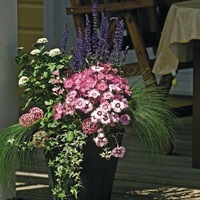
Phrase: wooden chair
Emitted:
{"points": [[129, 11]]}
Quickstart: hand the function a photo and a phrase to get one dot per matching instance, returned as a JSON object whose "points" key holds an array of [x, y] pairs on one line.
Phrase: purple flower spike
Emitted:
{"points": [[87, 35], [64, 39], [95, 21], [103, 45], [79, 53], [118, 40]]}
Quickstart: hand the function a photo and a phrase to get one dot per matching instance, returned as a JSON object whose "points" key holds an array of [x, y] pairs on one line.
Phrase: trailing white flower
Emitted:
{"points": [[35, 52], [23, 81], [54, 52], [42, 40]]}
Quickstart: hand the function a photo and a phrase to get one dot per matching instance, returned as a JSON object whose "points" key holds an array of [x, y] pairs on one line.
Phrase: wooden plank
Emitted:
{"points": [[115, 6], [140, 48]]}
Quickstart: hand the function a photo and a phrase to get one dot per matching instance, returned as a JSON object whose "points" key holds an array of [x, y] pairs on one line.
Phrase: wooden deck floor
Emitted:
{"points": [[163, 177]]}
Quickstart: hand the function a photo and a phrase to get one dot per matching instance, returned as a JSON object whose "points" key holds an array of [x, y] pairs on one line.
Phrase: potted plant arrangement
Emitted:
{"points": [[78, 105]]}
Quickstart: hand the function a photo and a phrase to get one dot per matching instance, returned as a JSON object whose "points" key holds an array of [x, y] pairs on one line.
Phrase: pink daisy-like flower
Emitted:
{"points": [[117, 105], [121, 99], [114, 117], [107, 95], [113, 87], [100, 140], [59, 108], [97, 114], [72, 93], [118, 152], [105, 106], [88, 107], [87, 84], [37, 112], [89, 127], [80, 103], [105, 119], [68, 83], [26, 119], [68, 110], [93, 93], [96, 68], [100, 76], [102, 86], [125, 119]]}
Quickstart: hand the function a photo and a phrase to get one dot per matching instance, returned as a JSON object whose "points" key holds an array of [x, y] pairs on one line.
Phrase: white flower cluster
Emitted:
{"points": [[42, 40], [23, 81], [54, 52], [35, 52]]}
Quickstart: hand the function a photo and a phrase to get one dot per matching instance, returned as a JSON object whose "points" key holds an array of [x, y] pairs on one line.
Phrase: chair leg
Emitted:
{"points": [[140, 48]]}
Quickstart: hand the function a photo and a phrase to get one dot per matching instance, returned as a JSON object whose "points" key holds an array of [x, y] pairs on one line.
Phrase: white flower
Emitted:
{"points": [[23, 81], [117, 106], [54, 52], [96, 68], [42, 40], [35, 51], [20, 48], [100, 140]]}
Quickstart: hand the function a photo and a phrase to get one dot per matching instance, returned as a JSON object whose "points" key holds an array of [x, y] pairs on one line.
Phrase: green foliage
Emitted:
{"points": [[152, 116], [62, 140], [12, 155]]}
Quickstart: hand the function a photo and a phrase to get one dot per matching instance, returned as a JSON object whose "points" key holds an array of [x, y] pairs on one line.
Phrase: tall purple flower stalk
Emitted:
{"points": [[95, 22], [79, 53], [64, 39], [103, 45], [88, 38], [118, 40]]}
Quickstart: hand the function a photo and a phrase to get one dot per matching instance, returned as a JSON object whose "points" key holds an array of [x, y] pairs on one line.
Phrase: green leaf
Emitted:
{"points": [[27, 103], [70, 136]]}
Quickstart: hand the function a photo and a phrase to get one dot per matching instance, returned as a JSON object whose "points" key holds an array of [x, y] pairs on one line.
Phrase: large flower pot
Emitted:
{"points": [[97, 174]]}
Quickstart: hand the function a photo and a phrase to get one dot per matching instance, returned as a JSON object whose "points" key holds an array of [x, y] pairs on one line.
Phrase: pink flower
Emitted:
{"points": [[26, 119], [88, 107], [121, 99], [101, 86], [37, 112], [100, 140], [97, 114], [100, 76], [105, 119], [87, 84], [96, 68], [107, 95], [58, 111], [105, 106], [117, 106], [68, 83], [68, 110], [80, 103], [113, 87], [93, 93], [125, 119], [118, 152], [88, 126], [114, 117], [72, 93], [56, 73]]}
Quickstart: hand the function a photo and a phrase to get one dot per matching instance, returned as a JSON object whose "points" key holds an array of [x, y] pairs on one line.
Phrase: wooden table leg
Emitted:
{"points": [[196, 106]]}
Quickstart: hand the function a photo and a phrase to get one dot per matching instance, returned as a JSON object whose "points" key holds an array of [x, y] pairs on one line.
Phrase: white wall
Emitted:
{"points": [[8, 69], [54, 19]]}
